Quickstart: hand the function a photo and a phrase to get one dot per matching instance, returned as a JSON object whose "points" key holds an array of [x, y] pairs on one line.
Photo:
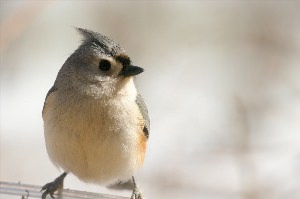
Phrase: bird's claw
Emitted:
{"points": [[136, 193], [49, 188], [54, 186]]}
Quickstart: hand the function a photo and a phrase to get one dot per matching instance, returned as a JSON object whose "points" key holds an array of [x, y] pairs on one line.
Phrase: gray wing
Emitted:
{"points": [[143, 109], [52, 89]]}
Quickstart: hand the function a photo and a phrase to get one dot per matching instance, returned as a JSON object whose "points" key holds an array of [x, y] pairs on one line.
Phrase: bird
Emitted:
{"points": [[96, 124]]}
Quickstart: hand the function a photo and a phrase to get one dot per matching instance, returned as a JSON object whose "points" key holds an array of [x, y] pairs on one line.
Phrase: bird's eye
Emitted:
{"points": [[104, 65]]}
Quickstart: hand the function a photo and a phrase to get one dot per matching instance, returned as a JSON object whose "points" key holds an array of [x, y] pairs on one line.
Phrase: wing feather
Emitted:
{"points": [[52, 89], [144, 111]]}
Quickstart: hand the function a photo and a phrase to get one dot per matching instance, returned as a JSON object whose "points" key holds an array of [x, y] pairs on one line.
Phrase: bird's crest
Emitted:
{"points": [[105, 44]]}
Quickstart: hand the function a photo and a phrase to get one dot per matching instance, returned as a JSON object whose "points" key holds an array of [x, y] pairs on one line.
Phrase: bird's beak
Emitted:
{"points": [[130, 70]]}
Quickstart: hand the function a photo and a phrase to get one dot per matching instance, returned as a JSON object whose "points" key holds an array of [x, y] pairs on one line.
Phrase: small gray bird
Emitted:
{"points": [[96, 124]]}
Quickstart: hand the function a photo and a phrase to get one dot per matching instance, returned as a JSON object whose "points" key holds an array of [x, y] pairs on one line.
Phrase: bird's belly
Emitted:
{"points": [[100, 148]]}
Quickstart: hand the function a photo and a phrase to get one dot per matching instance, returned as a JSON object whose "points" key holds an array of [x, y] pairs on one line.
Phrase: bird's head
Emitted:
{"points": [[99, 67]]}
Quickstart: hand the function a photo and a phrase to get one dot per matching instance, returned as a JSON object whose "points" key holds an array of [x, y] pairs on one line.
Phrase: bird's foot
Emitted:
{"points": [[51, 187], [136, 193]]}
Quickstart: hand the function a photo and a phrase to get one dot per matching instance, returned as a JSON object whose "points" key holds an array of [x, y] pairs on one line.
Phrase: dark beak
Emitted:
{"points": [[130, 70]]}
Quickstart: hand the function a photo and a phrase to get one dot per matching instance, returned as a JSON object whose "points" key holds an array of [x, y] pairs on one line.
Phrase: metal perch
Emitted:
{"points": [[33, 191]]}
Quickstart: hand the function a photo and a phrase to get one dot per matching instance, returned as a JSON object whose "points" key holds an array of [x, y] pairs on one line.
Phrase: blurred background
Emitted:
{"points": [[221, 83]]}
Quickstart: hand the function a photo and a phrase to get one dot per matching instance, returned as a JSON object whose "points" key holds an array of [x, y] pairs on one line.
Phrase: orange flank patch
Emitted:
{"points": [[141, 149], [141, 141]]}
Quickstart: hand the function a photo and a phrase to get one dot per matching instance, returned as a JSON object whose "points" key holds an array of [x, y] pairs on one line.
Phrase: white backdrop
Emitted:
{"points": [[221, 83]]}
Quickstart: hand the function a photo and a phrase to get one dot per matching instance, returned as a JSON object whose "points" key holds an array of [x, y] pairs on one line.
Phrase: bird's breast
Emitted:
{"points": [[97, 140]]}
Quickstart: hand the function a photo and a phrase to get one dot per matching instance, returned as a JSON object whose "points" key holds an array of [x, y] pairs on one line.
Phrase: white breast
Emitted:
{"points": [[95, 139]]}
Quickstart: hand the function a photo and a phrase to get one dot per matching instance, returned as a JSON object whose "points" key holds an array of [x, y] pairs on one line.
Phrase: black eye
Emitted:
{"points": [[104, 65]]}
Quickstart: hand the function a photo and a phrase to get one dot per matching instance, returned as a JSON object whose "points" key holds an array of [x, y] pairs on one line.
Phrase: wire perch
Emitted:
{"points": [[33, 191]]}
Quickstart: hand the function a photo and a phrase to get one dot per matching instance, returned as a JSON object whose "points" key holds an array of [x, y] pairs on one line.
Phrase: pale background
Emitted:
{"points": [[221, 81]]}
